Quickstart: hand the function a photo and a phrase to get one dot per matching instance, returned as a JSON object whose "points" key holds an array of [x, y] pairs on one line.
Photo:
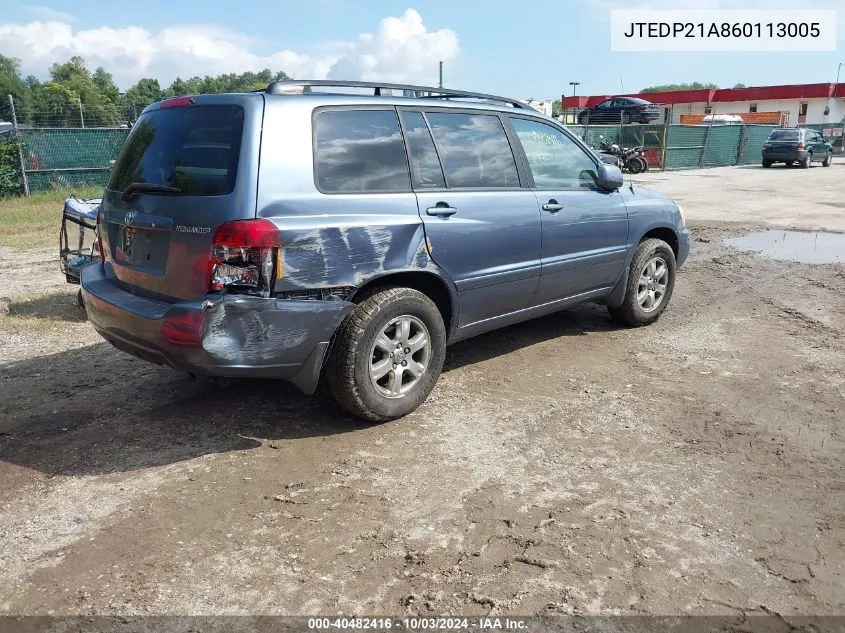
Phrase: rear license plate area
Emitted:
{"points": [[145, 248]]}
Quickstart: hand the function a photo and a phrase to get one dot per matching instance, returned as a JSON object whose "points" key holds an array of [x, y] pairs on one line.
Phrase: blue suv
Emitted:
{"points": [[301, 232]]}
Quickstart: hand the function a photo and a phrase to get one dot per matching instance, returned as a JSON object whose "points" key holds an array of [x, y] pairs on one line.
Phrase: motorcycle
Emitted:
{"points": [[630, 159], [607, 154]]}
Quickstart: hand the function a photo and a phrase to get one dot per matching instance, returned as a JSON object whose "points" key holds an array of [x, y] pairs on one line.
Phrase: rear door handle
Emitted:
{"points": [[441, 210], [552, 206]]}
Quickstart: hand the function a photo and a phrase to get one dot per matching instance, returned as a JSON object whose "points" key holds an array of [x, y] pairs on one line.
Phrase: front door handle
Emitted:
{"points": [[552, 206], [441, 210]]}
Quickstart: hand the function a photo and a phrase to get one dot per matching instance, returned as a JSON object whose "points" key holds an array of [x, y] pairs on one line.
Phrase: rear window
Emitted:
{"points": [[360, 151], [784, 135], [195, 149], [639, 101]]}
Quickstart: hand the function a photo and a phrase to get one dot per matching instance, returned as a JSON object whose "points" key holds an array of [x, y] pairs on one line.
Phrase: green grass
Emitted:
{"points": [[34, 221]]}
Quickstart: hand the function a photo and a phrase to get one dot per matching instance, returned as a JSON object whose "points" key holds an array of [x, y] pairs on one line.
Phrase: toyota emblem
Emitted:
{"points": [[130, 218]]}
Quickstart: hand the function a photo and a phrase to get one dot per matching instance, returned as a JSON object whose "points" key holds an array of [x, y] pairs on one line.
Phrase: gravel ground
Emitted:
{"points": [[561, 466]]}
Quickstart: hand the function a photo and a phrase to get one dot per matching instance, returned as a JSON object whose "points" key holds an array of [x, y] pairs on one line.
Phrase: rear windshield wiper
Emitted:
{"points": [[135, 188]]}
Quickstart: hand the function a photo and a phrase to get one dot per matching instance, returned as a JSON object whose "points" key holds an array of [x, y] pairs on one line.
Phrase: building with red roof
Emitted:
{"points": [[801, 103]]}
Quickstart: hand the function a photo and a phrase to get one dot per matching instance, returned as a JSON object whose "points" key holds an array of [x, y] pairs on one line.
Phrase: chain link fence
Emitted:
{"points": [[38, 159], [678, 146]]}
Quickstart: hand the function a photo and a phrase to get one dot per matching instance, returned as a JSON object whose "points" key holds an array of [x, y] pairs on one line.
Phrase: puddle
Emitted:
{"points": [[808, 247]]}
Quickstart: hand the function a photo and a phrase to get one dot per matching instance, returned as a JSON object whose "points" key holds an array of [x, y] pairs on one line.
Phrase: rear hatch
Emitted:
{"points": [[188, 166], [782, 140]]}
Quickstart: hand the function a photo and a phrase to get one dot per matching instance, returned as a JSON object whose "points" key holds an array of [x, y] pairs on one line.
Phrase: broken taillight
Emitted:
{"points": [[99, 237], [243, 256]]}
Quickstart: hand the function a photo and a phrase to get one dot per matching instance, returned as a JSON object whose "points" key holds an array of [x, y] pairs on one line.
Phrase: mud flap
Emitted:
{"points": [[308, 376], [617, 295]]}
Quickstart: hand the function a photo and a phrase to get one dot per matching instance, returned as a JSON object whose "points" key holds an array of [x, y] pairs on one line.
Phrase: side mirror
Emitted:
{"points": [[609, 177]]}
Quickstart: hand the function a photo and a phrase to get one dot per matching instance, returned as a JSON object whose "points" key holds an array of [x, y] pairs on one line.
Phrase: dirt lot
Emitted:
{"points": [[560, 466]]}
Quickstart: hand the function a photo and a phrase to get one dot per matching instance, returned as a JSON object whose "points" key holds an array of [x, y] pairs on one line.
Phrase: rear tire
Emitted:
{"points": [[387, 354], [651, 281], [808, 159], [827, 160], [636, 165], [767, 163], [79, 298]]}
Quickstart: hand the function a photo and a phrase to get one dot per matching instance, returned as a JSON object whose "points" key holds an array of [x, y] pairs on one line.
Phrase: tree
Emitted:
{"points": [[11, 83], [105, 84], [671, 87], [139, 96], [557, 109], [93, 93], [57, 101], [737, 86]]}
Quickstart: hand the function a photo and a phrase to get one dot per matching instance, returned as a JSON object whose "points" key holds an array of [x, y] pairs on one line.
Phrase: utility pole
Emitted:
{"points": [[835, 94], [24, 179], [440, 85], [574, 107], [81, 116]]}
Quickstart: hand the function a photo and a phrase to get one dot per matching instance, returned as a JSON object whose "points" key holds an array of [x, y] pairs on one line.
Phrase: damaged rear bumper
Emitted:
{"points": [[237, 335]]}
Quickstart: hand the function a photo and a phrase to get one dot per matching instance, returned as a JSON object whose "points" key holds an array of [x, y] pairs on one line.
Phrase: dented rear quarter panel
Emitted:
{"points": [[331, 239]]}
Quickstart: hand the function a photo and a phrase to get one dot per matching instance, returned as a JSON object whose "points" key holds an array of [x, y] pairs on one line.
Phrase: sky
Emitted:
{"points": [[531, 49]]}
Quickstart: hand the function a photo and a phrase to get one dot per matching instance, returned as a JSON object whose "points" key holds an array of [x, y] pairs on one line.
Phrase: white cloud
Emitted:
{"points": [[46, 14], [401, 49]]}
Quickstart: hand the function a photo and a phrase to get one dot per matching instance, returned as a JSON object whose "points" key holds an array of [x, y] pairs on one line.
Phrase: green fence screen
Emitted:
{"points": [[68, 157]]}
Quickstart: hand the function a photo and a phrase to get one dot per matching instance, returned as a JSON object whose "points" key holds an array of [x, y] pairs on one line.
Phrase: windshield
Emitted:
{"points": [[193, 149], [784, 135]]}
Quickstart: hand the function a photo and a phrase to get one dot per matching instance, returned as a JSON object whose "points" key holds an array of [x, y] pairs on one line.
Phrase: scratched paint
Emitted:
{"points": [[256, 331], [350, 255]]}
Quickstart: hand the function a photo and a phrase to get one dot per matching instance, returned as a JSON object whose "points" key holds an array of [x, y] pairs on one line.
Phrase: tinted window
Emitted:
{"points": [[474, 150], [359, 151], [195, 149], [555, 160], [604, 104], [636, 101], [784, 135], [425, 166]]}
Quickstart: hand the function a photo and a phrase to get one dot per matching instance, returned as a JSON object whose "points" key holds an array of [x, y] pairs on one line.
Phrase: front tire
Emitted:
{"points": [[651, 281], [767, 163], [827, 160], [387, 354]]}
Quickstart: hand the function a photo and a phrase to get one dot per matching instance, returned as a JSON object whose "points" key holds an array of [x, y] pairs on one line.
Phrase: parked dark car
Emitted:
{"points": [[796, 145], [298, 235], [620, 110]]}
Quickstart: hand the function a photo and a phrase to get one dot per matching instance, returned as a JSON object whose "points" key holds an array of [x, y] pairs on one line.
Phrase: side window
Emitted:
{"points": [[474, 150], [605, 104], [425, 165], [555, 160], [359, 151]]}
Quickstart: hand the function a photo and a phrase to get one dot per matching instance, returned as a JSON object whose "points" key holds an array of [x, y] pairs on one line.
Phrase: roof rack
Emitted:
{"points": [[386, 89]]}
